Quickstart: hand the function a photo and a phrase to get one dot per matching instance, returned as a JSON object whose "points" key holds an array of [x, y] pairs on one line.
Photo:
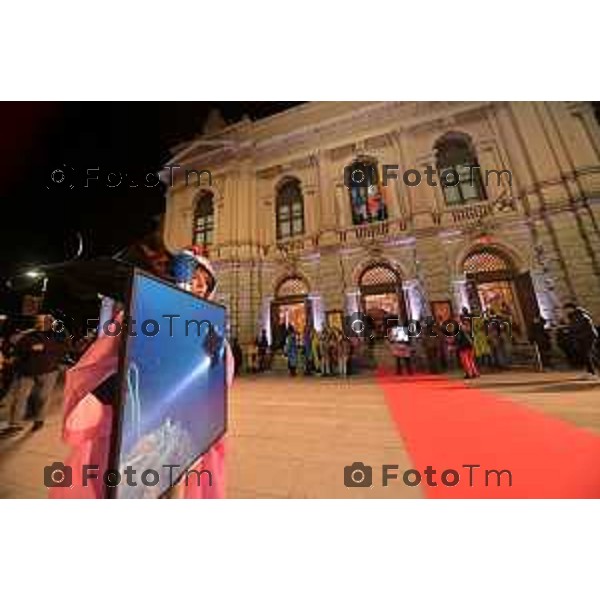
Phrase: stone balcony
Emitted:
{"points": [[452, 217], [471, 212], [475, 212], [370, 231], [354, 235]]}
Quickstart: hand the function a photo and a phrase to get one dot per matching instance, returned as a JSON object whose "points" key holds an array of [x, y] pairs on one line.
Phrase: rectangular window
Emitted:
{"points": [[452, 194], [297, 226], [284, 229], [203, 234], [468, 182]]}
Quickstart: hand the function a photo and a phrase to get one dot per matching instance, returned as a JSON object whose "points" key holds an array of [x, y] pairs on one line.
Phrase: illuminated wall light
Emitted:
{"points": [[410, 241], [317, 312], [544, 292], [352, 302], [461, 297], [415, 300], [266, 318]]}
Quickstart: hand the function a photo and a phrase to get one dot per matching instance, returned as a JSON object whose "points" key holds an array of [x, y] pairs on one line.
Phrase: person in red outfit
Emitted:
{"points": [[464, 346], [88, 413]]}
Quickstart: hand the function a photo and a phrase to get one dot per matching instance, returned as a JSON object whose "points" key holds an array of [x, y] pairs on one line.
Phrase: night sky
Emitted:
{"points": [[38, 224]]}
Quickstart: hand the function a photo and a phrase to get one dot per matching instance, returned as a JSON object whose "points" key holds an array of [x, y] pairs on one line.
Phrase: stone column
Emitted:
{"points": [[327, 197], [343, 209], [404, 194]]}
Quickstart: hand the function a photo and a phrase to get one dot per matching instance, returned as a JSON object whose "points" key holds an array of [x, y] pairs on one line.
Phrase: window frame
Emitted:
{"points": [[446, 149], [204, 220], [373, 164], [294, 220]]}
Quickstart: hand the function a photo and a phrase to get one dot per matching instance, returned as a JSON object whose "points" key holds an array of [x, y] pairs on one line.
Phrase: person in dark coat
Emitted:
{"points": [[541, 338], [238, 355], [585, 336], [262, 346], [38, 355], [565, 341]]}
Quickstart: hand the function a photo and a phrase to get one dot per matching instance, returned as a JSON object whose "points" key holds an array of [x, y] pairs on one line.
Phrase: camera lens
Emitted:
{"points": [[360, 478], [57, 480], [58, 326], [358, 176], [358, 326]]}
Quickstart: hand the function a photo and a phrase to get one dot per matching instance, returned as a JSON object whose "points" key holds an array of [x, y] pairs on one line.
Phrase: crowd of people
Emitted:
{"points": [[474, 343], [481, 343], [327, 352], [31, 360], [485, 342]]}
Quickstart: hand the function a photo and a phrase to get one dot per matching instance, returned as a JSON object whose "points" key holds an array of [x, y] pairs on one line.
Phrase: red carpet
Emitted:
{"points": [[446, 424]]}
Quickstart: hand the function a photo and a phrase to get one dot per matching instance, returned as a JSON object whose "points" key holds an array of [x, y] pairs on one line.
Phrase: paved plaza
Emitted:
{"points": [[292, 438]]}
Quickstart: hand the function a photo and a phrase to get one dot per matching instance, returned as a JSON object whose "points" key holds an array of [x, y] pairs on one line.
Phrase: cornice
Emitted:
{"points": [[360, 125]]}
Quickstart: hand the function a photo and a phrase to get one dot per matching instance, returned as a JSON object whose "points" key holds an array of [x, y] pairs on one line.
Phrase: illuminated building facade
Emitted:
{"points": [[291, 242]]}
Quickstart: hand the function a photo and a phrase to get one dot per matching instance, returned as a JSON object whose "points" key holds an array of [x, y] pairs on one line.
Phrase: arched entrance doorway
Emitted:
{"points": [[290, 307], [494, 284], [381, 296]]}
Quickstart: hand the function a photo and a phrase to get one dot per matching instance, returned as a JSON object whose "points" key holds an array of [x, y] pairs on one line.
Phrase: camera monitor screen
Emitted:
{"points": [[173, 394]]}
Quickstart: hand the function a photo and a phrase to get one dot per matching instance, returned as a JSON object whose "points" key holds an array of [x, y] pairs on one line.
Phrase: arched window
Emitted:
{"points": [[367, 202], [292, 286], [204, 222], [289, 209], [486, 261], [458, 169], [381, 296]]}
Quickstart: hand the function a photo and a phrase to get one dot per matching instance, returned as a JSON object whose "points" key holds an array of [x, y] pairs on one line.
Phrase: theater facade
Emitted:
{"points": [[292, 242]]}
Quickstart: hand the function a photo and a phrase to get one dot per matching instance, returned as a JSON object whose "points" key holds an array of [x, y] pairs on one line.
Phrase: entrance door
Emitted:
{"points": [[382, 297], [381, 307], [285, 313], [291, 307], [494, 285], [500, 296], [527, 299]]}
